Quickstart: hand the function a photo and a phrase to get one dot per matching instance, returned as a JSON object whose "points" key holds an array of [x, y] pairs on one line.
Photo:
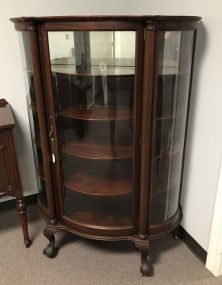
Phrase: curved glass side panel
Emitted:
{"points": [[33, 119], [93, 89], [174, 68]]}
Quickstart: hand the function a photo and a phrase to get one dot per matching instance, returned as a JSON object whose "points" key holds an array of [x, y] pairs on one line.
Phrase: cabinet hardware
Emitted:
{"points": [[53, 154], [52, 145]]}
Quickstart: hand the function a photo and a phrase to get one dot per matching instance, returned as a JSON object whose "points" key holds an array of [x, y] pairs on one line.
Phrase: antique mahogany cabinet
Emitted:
{"points": [[108, 103]]}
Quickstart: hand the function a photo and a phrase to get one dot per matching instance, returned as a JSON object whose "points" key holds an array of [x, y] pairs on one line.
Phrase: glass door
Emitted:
{"points": [[93, 76]]}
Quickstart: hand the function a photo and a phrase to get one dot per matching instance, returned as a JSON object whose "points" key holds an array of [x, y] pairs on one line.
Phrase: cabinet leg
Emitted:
{"points": [[146, 267], [176, 233], [50, 250], [20, 205]]}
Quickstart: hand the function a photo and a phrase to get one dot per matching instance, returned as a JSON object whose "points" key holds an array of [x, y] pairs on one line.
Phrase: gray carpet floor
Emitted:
{"points": [[83, 262]]}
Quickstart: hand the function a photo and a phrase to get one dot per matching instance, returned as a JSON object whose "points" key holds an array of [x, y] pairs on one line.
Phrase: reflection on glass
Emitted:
{"points": [[33, 120], [174, 67], [93, 83]]}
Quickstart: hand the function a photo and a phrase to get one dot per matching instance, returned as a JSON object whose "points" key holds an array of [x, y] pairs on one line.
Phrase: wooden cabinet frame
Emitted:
{"points": [[145, 92]]}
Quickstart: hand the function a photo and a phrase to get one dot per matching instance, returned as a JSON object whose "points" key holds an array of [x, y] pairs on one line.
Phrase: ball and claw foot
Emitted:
{"points": [[146, 267], [50, 251]]}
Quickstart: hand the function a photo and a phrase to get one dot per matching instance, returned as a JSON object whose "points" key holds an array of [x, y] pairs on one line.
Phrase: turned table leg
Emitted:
{"points": [[20, 205]]}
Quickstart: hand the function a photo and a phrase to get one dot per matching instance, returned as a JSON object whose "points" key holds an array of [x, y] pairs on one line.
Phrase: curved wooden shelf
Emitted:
{"points": [[98, 211], [168, 161], [96, 113], [96, 67], [167, 226], [71, 69], [92, 150], [93, 70], [163, 183], [168, 152], [170, 116], [100, 220], [108, 67], [92, 182]]}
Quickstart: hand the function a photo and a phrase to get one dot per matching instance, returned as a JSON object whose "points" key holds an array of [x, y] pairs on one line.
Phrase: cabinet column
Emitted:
{"points": [[34, 45], [148, 88]]}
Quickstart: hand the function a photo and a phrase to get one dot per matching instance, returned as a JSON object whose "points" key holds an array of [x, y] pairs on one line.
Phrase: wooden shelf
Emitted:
{"points": [[168, 162], [100, 219], [98, 211], [168, 152], [93, 70], [95, 182], [163, 183], [112, 67], [97, 113], [93, 150], [170, 116], [96, 67]]}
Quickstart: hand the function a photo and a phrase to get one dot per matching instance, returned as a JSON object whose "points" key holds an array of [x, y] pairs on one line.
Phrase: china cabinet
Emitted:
{"points": [[108, 104]]}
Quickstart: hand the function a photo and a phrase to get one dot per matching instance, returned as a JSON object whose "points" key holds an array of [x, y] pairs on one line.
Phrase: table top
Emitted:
{"points": [[6, 117]]}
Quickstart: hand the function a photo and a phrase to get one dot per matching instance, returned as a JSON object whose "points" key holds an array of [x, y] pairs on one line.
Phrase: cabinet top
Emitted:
{"points": [[6, 117], [108, 21], [144, 18]]}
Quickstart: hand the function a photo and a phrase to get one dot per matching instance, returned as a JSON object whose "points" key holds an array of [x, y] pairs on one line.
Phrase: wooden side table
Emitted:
{"points": [[10, 182]]}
